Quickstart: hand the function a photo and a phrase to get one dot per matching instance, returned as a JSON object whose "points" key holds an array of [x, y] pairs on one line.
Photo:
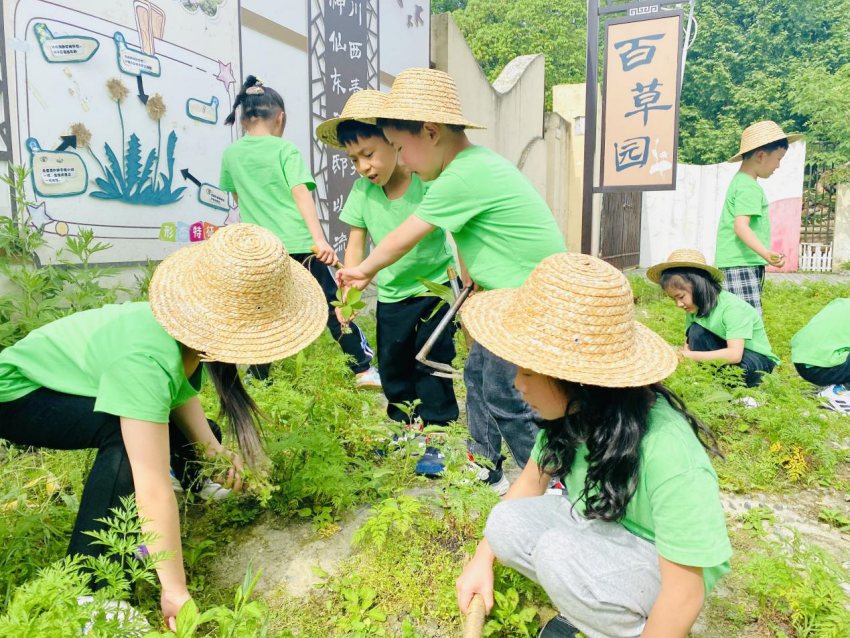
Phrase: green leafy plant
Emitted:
{"points": [[509, 617], [348, 303], [835, 518], [393, 519]]}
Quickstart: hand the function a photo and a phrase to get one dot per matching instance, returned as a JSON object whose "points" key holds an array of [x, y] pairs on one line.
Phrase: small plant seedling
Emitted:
{"points": [[835, 518], [348, 303]]}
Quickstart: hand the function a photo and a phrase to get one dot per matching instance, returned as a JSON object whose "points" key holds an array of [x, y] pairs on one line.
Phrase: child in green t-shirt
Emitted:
{"points": [[743, 234], [384, 196], [821, 353], [123, 381], [640, 539], [271, 184], [719, 326], [502, 228]]}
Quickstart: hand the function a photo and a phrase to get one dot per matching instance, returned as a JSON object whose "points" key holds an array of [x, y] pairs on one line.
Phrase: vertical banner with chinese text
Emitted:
{"points": [[640, 103], [343, 41]]}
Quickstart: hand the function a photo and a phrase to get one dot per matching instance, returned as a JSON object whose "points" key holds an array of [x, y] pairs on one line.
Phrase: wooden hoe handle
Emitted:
{"points": [[474, 625]]}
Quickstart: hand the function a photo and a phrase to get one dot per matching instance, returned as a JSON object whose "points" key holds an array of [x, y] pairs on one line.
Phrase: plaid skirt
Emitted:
{"points": [[745, 282]]}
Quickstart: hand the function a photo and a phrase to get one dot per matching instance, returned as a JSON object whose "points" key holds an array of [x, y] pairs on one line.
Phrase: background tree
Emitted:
{"points": [[786, 60], [498, 31]]}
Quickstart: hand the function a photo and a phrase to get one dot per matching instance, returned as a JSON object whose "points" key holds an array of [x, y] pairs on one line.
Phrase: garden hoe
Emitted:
{"points": [[443, 369], [473, 627]]}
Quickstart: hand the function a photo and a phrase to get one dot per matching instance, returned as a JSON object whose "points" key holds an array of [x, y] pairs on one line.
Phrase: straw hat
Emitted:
{"points": [[572, 319], [363, 106], [238, 298], [761, 133], [684, 258], [425, 95]]}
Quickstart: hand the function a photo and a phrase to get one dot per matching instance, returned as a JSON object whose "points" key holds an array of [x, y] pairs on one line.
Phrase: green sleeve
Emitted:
{"points": [[539, 446], [136, 387], [737, 321], [295, 169], [690, 527], [748, 201], [448, 204], [225, 181], [352, 211]]}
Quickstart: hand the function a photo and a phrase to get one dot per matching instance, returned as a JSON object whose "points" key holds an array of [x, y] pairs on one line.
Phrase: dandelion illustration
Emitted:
{"points": [[119, 92], [156, 107], [82, 133], [117, 89], [156, 111]]}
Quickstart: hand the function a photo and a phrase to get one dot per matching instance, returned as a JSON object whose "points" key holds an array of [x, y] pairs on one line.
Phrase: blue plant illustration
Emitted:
{"points": [[130, 180]]}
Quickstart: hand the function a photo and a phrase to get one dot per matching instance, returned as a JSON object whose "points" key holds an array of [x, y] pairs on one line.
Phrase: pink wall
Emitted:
{"points": [[785, 231]]}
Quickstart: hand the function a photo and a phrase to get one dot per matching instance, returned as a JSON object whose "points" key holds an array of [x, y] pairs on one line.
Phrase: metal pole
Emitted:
{"points": [[591, 74]]}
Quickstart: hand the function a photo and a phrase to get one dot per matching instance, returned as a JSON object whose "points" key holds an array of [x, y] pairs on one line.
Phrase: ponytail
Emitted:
{"points": [[237, 406], [256, 100]]}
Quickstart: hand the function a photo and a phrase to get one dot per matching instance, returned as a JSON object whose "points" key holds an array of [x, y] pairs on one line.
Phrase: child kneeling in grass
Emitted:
{"points": [[641, 538], [821, 353], [718, 325], [407, 313]]}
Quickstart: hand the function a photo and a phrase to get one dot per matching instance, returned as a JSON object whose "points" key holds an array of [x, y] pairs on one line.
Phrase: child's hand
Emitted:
{"points": [[776, 259], [324, 252], [352, 278]]}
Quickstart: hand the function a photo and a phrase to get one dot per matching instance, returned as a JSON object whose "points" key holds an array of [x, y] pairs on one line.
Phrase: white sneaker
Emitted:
{"points": [[130, 619], [838, 397], [175, 484], [369, 379], [484, 475], [212, 491]]}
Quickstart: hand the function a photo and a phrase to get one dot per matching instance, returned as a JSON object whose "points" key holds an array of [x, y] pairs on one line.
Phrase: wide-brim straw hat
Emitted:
{"points": [[425, 95], [238, 298], [572, 319], [684, 258], [761, 133], [364, 106]]}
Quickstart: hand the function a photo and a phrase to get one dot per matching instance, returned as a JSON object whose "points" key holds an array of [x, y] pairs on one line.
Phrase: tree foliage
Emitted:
{"points": [[499, 31], [785, 60]]}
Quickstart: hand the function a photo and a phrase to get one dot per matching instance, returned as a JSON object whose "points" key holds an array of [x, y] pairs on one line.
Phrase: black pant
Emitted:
{"points": [[754, 364], [49, 419], [825, 376], [402, 331], [353, 344]]}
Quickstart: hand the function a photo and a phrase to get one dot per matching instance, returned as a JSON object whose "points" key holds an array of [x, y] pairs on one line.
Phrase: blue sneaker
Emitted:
{"points": [[431, 463]]}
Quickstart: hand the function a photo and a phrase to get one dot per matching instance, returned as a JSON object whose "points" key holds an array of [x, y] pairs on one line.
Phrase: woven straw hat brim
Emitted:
{"points": [[326, 131], [229, 333], [651, 360], [423, 114], [759, 134], [425, 95], [654, 272], [363, 106]]}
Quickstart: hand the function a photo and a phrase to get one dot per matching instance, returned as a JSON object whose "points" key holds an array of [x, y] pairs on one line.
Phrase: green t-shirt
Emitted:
{"points": [[501, 225], [744, 197], [368, 207], [734, 318], [824, 341], [117, 354], [262, 170], [677, 501]]}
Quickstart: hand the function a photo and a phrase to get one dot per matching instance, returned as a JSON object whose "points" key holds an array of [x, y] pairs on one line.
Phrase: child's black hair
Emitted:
{"points": [[612, 423], [704, 290], [262, 101], [414, 127], [350, 131], [767, 148]]}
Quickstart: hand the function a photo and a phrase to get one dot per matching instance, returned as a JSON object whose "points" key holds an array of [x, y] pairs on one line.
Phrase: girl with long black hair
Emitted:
{"points": [[719, 326], [123, 379], [640, 538]]}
